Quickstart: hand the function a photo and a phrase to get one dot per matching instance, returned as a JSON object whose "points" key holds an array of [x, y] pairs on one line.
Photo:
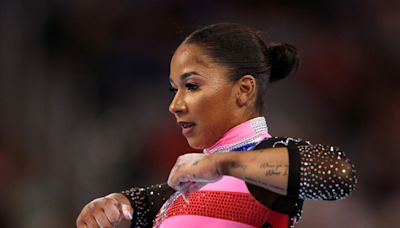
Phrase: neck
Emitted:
{"points": [[253, 130]]}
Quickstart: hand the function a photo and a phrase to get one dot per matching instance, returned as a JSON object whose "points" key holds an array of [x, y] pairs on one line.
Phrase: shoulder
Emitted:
{"points": [[281, 142]]}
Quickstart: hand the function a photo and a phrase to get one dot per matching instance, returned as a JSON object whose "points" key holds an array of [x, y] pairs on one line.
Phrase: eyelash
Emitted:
{"points": [[189, 86]]}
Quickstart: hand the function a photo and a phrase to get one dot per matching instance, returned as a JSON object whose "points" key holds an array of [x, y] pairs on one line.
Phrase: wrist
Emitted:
{"points": [[224, 161]]}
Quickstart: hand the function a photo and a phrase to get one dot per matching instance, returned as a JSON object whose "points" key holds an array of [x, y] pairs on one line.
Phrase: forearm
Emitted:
{"points": [[315, 171], [267, 168], [287, 166]]}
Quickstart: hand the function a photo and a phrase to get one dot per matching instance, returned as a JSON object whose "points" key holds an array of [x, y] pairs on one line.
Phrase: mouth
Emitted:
{"points": [[187, 127]]}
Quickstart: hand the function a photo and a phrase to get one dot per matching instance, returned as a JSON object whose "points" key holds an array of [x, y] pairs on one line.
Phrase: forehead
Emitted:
{"points": [[192, 58], [190, 54]]}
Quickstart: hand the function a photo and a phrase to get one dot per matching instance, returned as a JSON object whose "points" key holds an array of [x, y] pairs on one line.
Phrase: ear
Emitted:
{"points": [[247, 90]]}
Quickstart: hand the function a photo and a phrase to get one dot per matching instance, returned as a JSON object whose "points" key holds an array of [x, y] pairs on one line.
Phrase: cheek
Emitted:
{"points": [[212, 106], [214, 113]]}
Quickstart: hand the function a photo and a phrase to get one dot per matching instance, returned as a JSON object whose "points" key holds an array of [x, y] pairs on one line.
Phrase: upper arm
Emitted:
{"points": [[315, 171]]}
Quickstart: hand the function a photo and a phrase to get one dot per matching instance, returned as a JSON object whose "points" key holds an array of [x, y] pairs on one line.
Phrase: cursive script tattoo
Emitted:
{"points": [[271, 172], [274, 169], [267, 165]]}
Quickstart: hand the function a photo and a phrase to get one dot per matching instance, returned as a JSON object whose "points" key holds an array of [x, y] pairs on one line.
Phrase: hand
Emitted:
{"points": [[104, 212], [193, 171]]}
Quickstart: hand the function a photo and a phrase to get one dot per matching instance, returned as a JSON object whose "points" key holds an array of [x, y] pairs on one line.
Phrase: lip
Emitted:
{"points": [[187, 127]]}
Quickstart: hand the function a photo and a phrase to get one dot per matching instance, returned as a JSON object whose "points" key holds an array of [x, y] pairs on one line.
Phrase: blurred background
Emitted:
{"points": [[84, 98]]}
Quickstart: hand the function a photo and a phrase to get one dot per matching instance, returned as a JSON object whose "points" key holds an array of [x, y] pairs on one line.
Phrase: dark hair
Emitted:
{"points": [[243, 51]]}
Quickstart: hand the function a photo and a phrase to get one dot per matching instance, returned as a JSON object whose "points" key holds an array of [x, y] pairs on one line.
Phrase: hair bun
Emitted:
{"points": [[283, 59]]}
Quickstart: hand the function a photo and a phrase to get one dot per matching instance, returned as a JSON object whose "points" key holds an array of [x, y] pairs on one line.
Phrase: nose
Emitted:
{"points": [[178, 104]]}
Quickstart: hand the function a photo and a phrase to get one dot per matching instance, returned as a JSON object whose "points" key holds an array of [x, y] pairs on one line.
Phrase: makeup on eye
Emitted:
{"points": [[191, 86], [188, 86], [191, 82]]}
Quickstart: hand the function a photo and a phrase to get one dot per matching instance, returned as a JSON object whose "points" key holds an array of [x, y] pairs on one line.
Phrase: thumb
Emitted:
{"points": [[127, 211]]}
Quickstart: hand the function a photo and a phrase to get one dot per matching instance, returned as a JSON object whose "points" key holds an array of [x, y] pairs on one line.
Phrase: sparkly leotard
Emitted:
{"points": [[315, 172]]}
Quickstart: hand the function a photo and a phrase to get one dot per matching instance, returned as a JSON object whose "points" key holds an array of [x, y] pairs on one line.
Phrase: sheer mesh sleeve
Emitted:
{"points": [[317, 171], [325, 173], [146, 202]]}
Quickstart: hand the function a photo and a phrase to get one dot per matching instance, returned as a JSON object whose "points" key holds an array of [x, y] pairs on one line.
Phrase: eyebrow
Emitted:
{"points": [[186, 75]]}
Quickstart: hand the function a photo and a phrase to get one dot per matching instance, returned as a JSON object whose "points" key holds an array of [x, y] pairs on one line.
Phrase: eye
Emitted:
{"points": [[172, 90], [191, 86]]}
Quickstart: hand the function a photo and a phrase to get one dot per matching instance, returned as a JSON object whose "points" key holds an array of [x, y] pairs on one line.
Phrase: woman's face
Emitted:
{"points": [[204, 104]]}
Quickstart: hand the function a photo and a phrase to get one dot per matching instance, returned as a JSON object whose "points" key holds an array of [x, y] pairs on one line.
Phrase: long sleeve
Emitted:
{"points": [[317, 171], [146, 202], [325, 173]]}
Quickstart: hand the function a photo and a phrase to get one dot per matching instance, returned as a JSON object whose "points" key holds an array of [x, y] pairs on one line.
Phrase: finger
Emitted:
{"points": [[91, 222], [82, 226], [182, 186], [127, 211], [179, 180], [195, 186], [190, 158], [192, 187], [113, 214], [184, 191], [185, 196], [80, 223], [102, 220], [173, 181]]}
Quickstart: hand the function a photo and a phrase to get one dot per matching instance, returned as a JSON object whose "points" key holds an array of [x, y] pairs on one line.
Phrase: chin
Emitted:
{"points": [[197, 144]]}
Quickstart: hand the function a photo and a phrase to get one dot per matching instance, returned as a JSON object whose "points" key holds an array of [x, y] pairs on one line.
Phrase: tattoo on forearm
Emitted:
{"points": [[263, 184], [267, 165], [274, 169], [271, 172]]}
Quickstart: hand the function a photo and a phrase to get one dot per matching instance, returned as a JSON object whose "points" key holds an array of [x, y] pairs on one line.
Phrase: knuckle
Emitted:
{"points": [[113, 216], [95, 204], [170, 183], [91, 206], [80, 221], [108, 202]]}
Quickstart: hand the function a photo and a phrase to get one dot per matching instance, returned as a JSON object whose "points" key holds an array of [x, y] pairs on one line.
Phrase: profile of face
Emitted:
{"points": [[206, 103]]}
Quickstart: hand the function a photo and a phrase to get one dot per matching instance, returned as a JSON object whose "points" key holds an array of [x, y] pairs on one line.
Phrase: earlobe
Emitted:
{"points": [[239, 99]]}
